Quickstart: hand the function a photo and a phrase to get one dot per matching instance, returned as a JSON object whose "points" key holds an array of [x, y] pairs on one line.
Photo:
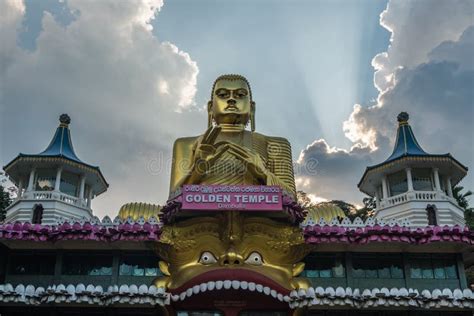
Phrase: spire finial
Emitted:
{"points": [[402, 118], [64, 119]]}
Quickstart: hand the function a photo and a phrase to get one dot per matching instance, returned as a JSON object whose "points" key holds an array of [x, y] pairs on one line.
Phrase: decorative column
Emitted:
{"points": [[449, 187], [377, 199], [384, 188], [82, 186], [409, 179], [31, 180], [436, 179], [57, 183], [20, 188], [91, 193]]}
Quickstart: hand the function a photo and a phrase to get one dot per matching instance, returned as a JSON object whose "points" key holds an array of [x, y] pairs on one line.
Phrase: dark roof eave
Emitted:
{"points": [[448, 155], [95, 168]]}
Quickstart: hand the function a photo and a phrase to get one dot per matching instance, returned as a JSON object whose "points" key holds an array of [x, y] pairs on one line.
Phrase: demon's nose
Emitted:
{"points": [[231, 258]]}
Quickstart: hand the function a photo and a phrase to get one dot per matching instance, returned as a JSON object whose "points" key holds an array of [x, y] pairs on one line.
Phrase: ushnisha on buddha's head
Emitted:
{"points": [[231, 102]]}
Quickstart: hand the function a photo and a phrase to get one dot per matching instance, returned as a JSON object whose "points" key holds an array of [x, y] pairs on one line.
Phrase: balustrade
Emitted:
{"points": [[425, 196], [397, 199], [53, 195], [415, 196]]}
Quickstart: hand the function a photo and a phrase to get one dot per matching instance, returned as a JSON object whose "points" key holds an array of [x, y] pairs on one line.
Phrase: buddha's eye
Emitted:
{"points": [[254, 259], [223, 93], [240, 93], [207, 258]]}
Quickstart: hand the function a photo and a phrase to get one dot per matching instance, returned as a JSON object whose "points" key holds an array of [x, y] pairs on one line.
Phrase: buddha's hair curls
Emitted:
{"points": [[231, 77]]}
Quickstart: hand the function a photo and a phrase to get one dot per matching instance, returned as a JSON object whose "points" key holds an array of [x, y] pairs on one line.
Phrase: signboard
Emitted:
{"points": [[232, 197]]}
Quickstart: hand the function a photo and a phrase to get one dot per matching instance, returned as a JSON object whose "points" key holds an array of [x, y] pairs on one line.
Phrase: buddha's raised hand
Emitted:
{"points": [[205, 147], [252, 160]]}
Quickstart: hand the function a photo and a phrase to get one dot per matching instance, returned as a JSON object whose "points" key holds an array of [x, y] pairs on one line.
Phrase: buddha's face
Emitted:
{"points": [[231, 102]]}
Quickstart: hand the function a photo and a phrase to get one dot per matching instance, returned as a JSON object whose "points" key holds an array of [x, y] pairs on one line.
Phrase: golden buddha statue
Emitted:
{"points": [[227, 153]]}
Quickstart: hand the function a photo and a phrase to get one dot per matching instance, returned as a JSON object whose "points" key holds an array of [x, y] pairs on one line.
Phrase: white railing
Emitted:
{"points": [[397, 199], [415, 196], [425, 195], [54, 195], [69, 199], [42, 195]]}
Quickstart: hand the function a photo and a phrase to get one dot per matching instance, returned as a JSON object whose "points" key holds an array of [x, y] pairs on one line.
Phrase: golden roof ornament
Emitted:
{"points": [[402, 118], [65, 120]]}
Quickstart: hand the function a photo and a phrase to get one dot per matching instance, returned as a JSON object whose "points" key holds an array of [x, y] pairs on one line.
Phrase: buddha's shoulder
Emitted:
{"points": [[272, 139], [185, 141]]}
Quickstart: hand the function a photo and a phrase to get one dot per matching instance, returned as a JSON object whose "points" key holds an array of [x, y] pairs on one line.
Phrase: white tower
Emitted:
{"points": [[414, 184], [54, 183]]}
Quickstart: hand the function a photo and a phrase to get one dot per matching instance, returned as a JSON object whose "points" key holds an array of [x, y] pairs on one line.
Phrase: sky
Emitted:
{"points": [[331, 76]]}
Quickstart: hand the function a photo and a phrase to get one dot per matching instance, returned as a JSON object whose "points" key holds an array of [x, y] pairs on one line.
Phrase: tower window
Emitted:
{"points": [[431, 213], [422, 179], [45, 180], [37, 214], [69, 184], [398, 183]]}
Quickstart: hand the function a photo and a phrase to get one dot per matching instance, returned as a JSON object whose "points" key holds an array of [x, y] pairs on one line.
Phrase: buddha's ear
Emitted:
{"points": [[298, 268], [209, 114], [252, 116], [164, 268]]}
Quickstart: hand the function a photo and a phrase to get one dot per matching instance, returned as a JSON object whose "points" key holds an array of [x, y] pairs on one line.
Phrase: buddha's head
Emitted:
{"points": [[231, 101]]}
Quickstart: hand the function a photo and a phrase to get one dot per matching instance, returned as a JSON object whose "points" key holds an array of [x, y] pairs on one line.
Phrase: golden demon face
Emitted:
{"points": [[232, 251]]}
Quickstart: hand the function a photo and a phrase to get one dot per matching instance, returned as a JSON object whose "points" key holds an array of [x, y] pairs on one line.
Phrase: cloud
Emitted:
{"points": [[128, 93], [426, 71], [326, 172], [11, 17], [417, 26]]}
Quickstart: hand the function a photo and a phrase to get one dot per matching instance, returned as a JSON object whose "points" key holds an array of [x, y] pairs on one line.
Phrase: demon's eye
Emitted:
{"points": [[207, 258], [255, 259]]}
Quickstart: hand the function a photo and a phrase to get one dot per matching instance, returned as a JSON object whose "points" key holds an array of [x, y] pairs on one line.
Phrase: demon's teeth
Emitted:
{"points": [[273, 293], [211, 285], [189, 291], [244, 285], [235, 285], [266, 290], [252, 286]]}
